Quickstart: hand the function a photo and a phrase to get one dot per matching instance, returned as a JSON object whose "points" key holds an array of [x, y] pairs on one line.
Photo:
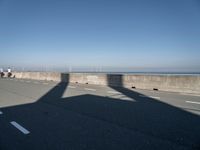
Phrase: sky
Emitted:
{"points": [[131, 35]]}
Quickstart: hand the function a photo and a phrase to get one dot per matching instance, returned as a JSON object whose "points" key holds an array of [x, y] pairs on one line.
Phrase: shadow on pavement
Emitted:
{"points": [[95, 122]]}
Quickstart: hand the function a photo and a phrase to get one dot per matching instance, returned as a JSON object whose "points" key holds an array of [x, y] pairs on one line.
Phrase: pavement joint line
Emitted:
{"points": [[19, 127], [192, 102], [72, 87], [113, 92], [1, 112], [88, 89]]}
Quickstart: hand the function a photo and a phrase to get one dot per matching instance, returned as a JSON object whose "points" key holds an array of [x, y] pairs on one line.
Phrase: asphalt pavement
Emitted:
{"points": [[41, 115]]}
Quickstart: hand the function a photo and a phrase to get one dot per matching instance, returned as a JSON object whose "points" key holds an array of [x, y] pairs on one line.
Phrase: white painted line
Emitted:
{"points": [[150, 96], [45, 83], [188, 94], [90, 89], [72, 87], [11, 79], [192, 102], [19, 127], [113, 92], [143, 96], [36, 82], [28, 81], [1, 112], [154, 97]]}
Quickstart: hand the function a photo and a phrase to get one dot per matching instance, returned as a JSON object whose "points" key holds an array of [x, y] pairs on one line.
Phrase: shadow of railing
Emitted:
{"points": [[79, 122], [156, 118], [56, 92]]}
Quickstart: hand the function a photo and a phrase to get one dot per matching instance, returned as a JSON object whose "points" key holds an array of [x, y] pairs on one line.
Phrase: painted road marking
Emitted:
{"points": [[72, 87], [90, 89], [1, 112], [28, 81], [192, 102], [21, 80], [188, 94], [143, 96], [45, 83], [150, 96], [113, 92], [19, 127], [154, 97], [36, 82]]}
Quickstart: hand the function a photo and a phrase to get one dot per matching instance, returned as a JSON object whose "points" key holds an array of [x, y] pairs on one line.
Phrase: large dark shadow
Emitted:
{"points": [[156, 118], [96, 122]]}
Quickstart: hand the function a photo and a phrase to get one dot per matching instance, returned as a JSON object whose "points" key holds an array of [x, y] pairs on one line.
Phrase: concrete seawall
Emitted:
{"points": [[172, 83]]}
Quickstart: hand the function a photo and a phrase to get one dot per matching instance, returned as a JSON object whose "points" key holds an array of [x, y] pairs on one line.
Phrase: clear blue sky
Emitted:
{"points": [[137, 34]]}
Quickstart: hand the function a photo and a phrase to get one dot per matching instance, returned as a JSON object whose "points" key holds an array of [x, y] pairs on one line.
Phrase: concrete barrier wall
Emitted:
{"points": [[50, 76], [173, 83]]}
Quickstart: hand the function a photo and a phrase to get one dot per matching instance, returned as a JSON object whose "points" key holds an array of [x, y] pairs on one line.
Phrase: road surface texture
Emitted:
{"points": [[47, 115]]}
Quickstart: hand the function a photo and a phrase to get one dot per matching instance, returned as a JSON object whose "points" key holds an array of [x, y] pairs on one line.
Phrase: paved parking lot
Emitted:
{"points": [[51, 115]]}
